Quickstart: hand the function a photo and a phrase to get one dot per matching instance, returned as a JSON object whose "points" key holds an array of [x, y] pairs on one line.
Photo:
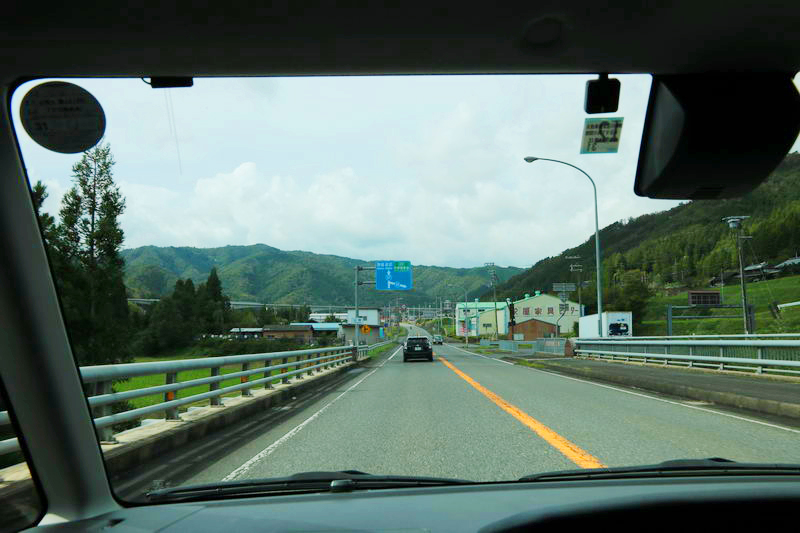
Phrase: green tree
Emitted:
{"points": [[85, 251], [213, 306], [266, 316], [46, 222]]}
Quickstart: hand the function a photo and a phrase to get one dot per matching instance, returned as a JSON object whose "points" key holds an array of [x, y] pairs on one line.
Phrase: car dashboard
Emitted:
{"points": [[622, 505]]}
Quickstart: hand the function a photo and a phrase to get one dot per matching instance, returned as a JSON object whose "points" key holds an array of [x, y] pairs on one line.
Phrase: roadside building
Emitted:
{"points": [[760, 271], [369, 323], [323, 329], [246, 333], [322, 316], [366, 315], [545, 307], [789, 264], [468, 317], [302, 333], [375, 333], [493, 316], [532, 329]]}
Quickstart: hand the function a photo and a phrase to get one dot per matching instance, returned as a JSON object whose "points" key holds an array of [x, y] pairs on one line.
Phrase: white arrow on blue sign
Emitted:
{"points": [[393, 276]]}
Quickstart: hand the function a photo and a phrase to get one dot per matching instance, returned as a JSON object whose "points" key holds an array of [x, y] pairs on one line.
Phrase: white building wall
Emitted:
{"points": [[545, 307], [368, 316], [487, 321], [468, 310]]}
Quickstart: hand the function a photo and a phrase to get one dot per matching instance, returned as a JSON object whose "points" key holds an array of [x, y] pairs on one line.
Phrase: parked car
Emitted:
{"points": [[437, 339]]}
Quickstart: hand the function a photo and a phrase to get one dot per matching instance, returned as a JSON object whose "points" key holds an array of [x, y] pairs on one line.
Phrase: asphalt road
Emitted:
{"points": [[474, 417]]}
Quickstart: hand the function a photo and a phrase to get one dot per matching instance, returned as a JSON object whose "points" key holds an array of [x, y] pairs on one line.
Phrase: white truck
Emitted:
{"points": [[613, 323]]}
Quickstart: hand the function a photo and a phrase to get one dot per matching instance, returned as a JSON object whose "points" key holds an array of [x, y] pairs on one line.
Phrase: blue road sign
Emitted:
{"points": [[393, 276]]}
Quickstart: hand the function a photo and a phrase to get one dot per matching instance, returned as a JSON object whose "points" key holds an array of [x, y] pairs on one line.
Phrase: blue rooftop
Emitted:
{"points": [[319, 326]]}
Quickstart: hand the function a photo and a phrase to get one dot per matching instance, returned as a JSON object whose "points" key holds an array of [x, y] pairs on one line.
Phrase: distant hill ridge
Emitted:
{"points": [[263, 273]]}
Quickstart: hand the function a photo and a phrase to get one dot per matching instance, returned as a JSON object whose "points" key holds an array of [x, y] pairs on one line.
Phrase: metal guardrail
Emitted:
{"points": [[753, 336], [743, 354], [99, 380]]}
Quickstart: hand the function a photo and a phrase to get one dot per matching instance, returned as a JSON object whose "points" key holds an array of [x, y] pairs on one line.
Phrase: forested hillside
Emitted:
{"points": [[685, 246], [266, 274]]}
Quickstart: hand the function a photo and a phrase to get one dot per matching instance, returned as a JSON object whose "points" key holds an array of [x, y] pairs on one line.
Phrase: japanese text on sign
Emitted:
{"points": [[601, 135]]}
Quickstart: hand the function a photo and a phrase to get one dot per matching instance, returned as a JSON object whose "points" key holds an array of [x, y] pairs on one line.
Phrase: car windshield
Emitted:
{"points": [[287, 243]]}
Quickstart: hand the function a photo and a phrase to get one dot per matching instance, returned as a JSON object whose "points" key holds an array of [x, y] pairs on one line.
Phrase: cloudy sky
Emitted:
{"points": [[427, 169]]}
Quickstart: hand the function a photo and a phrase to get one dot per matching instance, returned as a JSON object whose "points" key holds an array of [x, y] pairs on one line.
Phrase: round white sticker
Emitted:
{"points": [[63, 117]]}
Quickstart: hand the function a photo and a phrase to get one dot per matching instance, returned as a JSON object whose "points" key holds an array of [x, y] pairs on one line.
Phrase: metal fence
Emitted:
{"points": [[257, 370], [741, 354], [553, 345], [506, 346]]}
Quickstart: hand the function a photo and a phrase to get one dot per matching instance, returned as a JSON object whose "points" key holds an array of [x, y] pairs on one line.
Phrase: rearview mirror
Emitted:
{"points": [[715, 136]]}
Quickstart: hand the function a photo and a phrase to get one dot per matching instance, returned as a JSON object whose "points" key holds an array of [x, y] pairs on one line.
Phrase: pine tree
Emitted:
{"points": [[87, 263]]}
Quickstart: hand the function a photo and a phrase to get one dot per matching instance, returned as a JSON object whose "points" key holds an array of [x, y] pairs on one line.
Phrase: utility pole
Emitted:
{"points": [[356, 319], [577, 267], [493, 277], [735, 223], [466, 312]]}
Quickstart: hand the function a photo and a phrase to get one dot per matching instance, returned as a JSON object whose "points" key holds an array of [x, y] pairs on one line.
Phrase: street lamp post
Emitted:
{"points": [[735, 223], [530, 159]]}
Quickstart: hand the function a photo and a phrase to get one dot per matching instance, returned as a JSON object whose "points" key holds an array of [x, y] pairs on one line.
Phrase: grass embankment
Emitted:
{"points": [[375, 352], [396, 332], [760, 294]]}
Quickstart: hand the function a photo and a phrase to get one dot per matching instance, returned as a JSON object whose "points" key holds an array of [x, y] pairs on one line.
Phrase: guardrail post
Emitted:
{"points": [[721, 356], [759, 355], [216, 401], [309, 365], [105, 434], [691, 352], [285, 361], [172, 413], [245, 379], [666, 352], [299, 366], [267, 373]]}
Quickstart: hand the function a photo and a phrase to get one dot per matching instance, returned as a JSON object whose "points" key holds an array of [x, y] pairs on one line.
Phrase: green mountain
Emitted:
{"points": [[683, 247], [266, 274]]}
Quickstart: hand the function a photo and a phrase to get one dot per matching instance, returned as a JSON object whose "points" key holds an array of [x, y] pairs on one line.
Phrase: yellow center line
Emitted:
{"points": [[570, 450]]}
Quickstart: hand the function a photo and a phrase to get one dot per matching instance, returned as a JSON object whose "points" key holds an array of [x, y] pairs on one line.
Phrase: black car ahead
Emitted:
{"points": [[417, 348]]}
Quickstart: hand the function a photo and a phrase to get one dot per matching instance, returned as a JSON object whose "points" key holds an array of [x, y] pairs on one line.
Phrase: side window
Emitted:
{"points": [[20, 503]]}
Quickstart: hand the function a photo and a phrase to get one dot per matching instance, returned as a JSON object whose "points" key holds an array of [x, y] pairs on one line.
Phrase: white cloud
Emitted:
{"points": [[422, 168]]}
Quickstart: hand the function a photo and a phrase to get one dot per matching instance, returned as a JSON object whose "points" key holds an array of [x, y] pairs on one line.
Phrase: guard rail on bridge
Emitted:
{"points": [[740, 353], [275, 366]]}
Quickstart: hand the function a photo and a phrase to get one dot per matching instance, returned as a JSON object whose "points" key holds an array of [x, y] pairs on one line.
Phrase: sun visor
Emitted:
{"points": [[715, 136]]}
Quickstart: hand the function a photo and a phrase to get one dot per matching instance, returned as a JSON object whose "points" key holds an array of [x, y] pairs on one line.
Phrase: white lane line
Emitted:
{"points": [[742, 418], [711, 411], [479, 355], [274, 446]]}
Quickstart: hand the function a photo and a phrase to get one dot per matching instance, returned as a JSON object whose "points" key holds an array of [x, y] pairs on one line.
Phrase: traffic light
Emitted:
{"points": [[511, 312]]}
